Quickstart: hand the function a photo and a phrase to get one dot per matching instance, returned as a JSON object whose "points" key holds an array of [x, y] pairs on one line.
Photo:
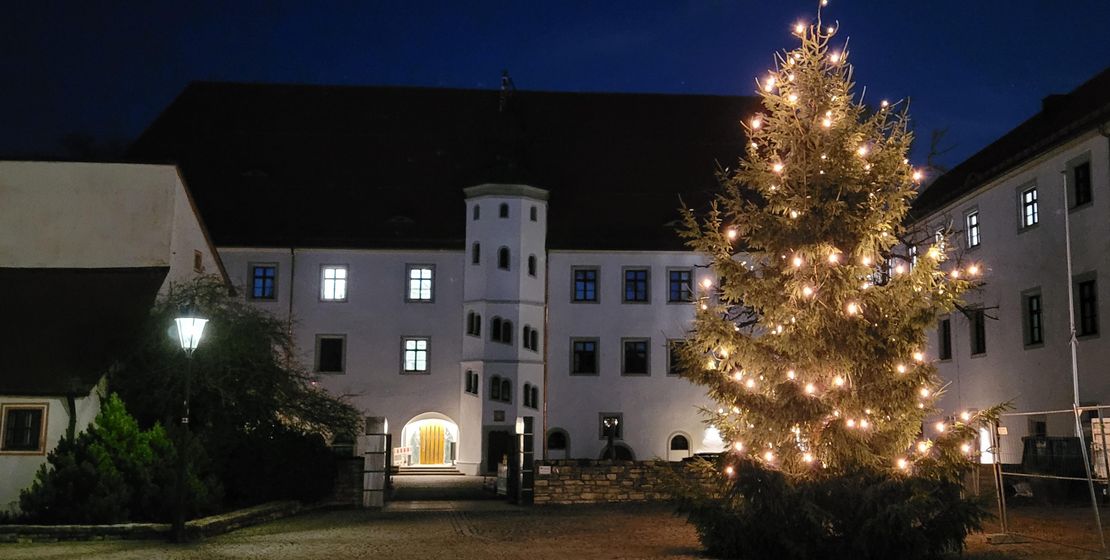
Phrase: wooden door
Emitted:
{"points": [[431, 444]]}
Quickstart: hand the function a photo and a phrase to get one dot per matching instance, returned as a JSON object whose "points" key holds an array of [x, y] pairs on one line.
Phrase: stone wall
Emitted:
{"points": [[348, 481], [584, 481]]}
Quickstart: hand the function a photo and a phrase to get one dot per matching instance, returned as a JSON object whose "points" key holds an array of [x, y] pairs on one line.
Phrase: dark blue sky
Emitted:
{"points": [[106, 69]]}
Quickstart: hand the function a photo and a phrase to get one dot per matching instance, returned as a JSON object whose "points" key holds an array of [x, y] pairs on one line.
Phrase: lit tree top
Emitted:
{"points": [[813, 343]]}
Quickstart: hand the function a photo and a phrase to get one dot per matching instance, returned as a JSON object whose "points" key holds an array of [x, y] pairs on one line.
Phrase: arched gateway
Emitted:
{"points": [[433, 439]]}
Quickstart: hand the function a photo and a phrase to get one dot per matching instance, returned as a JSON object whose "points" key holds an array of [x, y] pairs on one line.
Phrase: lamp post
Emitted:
{"points": [[190, 327], [611, 424]]}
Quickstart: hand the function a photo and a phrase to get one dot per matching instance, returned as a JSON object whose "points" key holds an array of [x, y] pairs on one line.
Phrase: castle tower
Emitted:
{"points": [[504, 315]]}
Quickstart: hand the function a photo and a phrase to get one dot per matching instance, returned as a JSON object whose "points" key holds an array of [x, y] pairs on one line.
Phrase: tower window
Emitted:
{"points": [[503, 258], [477, 212], [503, 210], [531, 265], [532, 214], [476, 253]]}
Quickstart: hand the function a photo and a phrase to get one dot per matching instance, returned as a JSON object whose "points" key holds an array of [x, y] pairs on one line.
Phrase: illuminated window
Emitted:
{"points": [[420, 282], [973, 229], [636, 285], [415, 355], [681, 282], [1029, 215], [585, 285], [333, 286]]}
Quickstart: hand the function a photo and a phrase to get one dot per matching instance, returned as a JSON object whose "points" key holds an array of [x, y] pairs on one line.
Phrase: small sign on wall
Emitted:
{"points": [[499, 416], [545, 469]]}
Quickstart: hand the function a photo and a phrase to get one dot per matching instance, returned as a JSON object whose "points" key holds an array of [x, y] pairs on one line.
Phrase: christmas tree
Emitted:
{"points": [[813, 342]]}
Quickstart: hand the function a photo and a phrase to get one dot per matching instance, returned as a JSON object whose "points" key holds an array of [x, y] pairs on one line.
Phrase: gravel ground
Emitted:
{"points": [[490, 529]]}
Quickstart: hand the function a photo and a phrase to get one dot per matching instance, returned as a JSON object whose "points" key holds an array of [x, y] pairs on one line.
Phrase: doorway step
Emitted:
{"points": [[428, 470]]}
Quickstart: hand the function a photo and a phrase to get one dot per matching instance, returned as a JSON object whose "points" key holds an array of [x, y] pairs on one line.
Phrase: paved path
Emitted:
{"points": [[445, 529]]}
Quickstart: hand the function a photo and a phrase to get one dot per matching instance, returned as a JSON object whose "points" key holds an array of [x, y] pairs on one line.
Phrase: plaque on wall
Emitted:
{"points": [[499, 416]]}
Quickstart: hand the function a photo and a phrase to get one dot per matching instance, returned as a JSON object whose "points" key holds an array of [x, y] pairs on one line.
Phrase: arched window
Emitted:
{"points": [[477, 212], [503, 258], [532, 214], [503, 211], [527, 394], [470, 323], [525, 338], [495, 388], [477, 324], [495, 329], [472, 385], [531, 265], [557, 439], [506, 390], [680, 443], [535, 334], [476, 252], [507, 332], [535, 396]]}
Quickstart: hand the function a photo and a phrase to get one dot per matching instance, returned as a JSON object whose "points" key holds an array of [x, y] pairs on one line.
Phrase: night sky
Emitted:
{"points": [[89, 76]]}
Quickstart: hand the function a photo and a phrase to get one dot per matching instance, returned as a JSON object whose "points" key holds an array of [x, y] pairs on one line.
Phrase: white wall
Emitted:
{"points": [[1034, 378], [374, 319], [654, 406], [17, 470]]}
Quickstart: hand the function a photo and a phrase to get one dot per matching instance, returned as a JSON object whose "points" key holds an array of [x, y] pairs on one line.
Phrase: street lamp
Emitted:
{"points": [[190, 328]]}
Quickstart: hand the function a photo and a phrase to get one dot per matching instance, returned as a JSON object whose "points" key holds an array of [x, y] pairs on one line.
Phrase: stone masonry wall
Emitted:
{"points": [[583, 481], [348, 481]]}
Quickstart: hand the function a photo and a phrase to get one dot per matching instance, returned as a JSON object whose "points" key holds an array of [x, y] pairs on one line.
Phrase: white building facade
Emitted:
{"points": [[451, 347], [1006, 208]]}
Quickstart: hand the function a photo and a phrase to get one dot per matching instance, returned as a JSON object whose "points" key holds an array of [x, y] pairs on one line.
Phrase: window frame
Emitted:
{"points": [[504, 250], [503, 210], [1073, 183], [533, 214], [973, 238], [1023, 223], [476, 212], [533, 265], [471, 383], [43, 433], [647, 284], [671, 353], [1078, 281], [977, 331], [251, 266], [409, 267], [320, 338], [690, 285], [323, 282], [597, 355], [574, 270], [1027, 316], [647, 356], [427, 355], [475, 253], [944, 339]]}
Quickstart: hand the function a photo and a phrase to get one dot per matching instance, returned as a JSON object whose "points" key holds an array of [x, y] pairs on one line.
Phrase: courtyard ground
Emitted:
{"points": [[493, 530]]}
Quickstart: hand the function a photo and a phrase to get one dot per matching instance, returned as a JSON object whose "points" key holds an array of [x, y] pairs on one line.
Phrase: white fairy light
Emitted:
{"points": [[901, 368], [924, 391], [826, 122], [732, 234], [834, 258], [838, 381], [729, 470], [810, 388], [919, 356], [807, 291], [750, 383], [790, 374], [757, 122], [792, 98], [769, 456], [965, 416], [852, 308], [866, 260], [707, 283], [902, 464], [807, 457], [799, 28], [973, 270], [739, 446], [939, 426], [884, 103], [797, 262], [777, 167]]}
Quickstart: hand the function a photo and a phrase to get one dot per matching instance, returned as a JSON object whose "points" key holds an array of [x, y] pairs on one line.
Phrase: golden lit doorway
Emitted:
{"points": [[432, 444], [430, 441]]}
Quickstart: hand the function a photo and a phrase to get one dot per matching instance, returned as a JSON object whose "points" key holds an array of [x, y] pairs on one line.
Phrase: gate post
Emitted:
{"points": [[525, 460]]}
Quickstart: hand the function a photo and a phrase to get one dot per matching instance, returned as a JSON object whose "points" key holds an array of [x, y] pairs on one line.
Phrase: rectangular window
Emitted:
{"points": [[1081, 184], [674, 359], [1088, 307], [944, 339], [607, 421], [1033, 328], [634, 359], [1029, 215], [973, 229], [978, 320], [24, 428], [585, 284], [198, 261], [636, 285], [415, 355], [333, 284], [331, 353], [681, 285], [263, 281], [471, 380], [583, 356], [420, 282]]}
